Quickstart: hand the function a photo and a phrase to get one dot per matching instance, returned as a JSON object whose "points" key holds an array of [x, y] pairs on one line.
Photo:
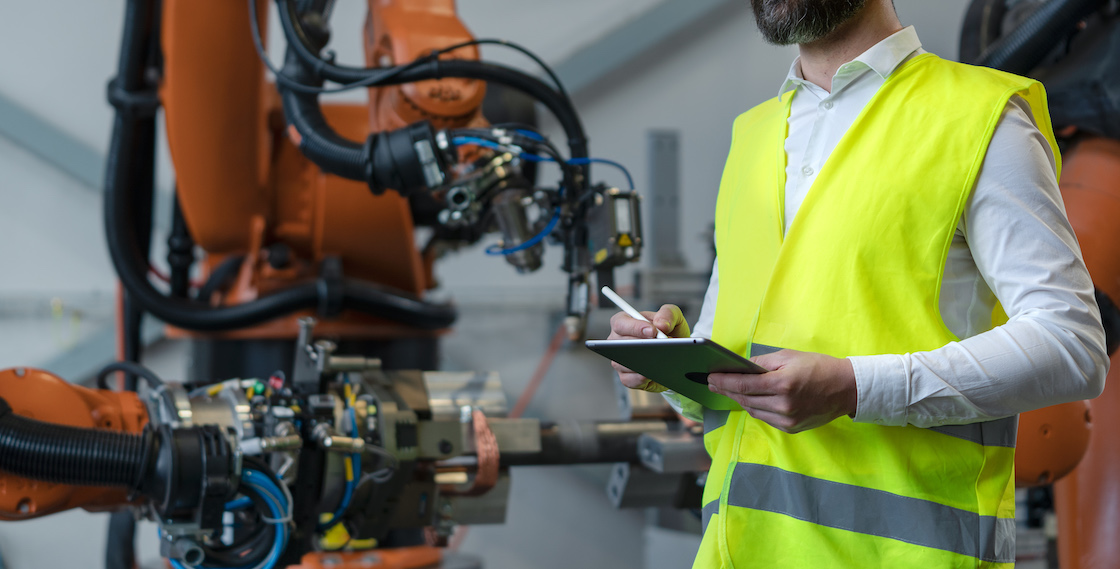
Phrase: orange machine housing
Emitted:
{"points": [[1088, 500], [399, 31], [1051, 443], [243, 185], [39, 395]]}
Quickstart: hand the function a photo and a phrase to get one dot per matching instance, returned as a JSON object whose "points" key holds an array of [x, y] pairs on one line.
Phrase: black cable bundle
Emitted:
{"points": [[252, 546], [1025, 47], [71, 455], [300, 84]]}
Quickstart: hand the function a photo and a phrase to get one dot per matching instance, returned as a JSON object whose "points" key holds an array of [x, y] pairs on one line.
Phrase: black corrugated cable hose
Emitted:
{"points": [[318, 141], [303, 65], [63, 454], [983, 23], [132, 268], [123, 188], [1027, 45]]}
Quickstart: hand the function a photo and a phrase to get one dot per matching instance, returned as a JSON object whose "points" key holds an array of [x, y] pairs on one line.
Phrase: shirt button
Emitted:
{"points": [[807, 171], [827, 105]]}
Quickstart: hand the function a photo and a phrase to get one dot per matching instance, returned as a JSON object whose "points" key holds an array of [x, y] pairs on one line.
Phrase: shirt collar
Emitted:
{"points": [[882, 58]]}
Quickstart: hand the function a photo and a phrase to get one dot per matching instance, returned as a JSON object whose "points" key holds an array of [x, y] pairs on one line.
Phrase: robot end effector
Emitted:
{"points": [[481, 188]]}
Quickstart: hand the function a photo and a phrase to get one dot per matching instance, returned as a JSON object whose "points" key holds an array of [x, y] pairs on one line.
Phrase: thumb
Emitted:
{"points": [[669, 319]]}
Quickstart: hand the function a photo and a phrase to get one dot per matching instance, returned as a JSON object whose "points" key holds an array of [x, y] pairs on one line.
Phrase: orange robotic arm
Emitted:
{"points": [[246, 189], [39, 395], [275, 184], [286, 195]]}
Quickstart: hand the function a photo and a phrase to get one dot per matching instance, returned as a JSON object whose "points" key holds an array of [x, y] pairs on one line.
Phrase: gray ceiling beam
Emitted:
{"points": [[54, 145], [630, 39]]}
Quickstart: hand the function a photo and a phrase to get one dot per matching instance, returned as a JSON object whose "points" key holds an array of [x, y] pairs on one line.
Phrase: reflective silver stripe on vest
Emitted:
{"points": [[762, 350], [714, 419], [872, 512], [706, 515], [997, 433]]}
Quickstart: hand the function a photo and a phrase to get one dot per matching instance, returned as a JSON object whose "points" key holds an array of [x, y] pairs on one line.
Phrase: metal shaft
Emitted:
{"points": [[575, 442]]}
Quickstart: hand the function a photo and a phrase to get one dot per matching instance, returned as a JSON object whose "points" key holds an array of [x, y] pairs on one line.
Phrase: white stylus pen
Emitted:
{"points": [[625, 306]]}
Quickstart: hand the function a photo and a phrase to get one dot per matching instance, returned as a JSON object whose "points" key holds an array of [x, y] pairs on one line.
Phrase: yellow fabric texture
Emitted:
{"points": [[859, 273]]}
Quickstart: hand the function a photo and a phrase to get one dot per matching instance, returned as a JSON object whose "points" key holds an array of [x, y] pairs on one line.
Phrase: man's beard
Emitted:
{"points": [[785, 22]]}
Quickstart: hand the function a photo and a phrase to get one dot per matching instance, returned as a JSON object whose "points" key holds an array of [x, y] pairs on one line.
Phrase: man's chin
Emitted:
{"points": [[788, 22]]}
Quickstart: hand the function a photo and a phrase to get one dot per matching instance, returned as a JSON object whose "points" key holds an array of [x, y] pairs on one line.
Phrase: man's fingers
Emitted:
{"points": [[628, 377], [668, 318], [620, 368], [742, 383], [633, 380], [776, 360], [625, 326], [761, 408], [773, 404], [780, 422]]}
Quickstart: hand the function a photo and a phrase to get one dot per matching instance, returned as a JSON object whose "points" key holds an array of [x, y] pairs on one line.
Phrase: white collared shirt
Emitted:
{"points": [[1013, 243]]}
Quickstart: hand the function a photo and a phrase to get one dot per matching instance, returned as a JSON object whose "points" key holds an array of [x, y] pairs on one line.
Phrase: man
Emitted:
{"points": [[874, 220]]}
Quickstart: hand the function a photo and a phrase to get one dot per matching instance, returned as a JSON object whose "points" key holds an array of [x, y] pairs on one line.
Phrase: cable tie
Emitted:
{"points": [[139, 104], [330, 287]]}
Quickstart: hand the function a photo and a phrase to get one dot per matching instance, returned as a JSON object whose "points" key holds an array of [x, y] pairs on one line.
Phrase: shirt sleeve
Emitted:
{"points": [[1050, 351], [702, 329]]}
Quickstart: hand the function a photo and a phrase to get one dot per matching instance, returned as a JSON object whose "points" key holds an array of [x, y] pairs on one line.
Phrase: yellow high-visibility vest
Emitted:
{"points": [[859, 273]]}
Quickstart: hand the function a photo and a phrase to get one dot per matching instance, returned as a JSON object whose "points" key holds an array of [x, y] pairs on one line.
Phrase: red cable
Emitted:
{"points": [[167, 280], [119, 316], [542, 370]]}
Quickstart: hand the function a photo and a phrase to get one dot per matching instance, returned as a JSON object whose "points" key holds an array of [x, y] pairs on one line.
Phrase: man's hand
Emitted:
{"points": [[803, 391], [623, 327]]}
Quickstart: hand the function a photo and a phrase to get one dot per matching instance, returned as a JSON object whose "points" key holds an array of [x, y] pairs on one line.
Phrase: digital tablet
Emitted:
{"points": [[681, 364]]}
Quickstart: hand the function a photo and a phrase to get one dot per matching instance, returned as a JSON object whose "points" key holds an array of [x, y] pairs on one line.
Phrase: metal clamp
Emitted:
{"points": [[673, 452]]}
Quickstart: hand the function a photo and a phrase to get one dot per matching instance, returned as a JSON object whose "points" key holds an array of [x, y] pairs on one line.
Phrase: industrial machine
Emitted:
{"points": [[310, 431], [289, 471], [1066, 453]]}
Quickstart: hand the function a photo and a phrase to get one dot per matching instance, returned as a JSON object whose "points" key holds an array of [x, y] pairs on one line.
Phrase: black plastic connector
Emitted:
{"points": [[195, 474], [406, 160], [133, 103]]}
